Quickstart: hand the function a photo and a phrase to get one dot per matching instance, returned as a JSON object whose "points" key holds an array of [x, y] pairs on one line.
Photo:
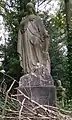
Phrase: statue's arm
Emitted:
{"points": [[47, 39], [22, 23], [44, 33], [41, 27]]}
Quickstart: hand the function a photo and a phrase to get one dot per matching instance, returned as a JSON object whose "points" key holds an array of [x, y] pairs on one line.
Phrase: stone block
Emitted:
{"points": [[39, 86]]}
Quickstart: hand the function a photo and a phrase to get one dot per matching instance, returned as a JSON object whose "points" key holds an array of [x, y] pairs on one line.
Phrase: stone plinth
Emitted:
{"points": [[44, 95], [39, 86]]}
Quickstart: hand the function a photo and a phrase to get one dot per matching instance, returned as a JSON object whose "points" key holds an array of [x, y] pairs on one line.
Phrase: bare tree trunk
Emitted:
{"points": [[67, 10], [69, 46]]}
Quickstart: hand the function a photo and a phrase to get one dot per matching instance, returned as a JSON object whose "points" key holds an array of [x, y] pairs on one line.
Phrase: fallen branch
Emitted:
{"points": [[7, 97], [21, 109]]}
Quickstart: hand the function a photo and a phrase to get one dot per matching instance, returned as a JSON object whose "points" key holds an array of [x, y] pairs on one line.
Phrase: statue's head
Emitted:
{"points": [[30, 8]]}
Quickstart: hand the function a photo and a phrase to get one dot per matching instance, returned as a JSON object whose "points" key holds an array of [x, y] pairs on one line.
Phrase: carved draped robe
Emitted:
{"points": [[33, 42]]}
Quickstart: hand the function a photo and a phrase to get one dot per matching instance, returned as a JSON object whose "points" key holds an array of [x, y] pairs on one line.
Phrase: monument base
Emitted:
{"points": [[38, 86]]}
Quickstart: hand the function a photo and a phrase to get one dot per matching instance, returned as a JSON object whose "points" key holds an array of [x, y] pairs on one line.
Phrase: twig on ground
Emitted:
{"points": [[7, 97], [21, 109]]}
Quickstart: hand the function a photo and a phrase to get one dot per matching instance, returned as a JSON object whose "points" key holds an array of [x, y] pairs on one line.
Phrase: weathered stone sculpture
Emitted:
{"points": [[33, 44], [33, 41]]}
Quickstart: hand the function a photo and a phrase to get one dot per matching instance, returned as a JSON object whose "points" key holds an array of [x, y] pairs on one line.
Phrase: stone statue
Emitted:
{"points": [[33, 41]]}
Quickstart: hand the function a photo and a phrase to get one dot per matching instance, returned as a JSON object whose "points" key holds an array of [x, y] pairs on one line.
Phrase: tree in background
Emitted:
{"points": [[68, 9]]}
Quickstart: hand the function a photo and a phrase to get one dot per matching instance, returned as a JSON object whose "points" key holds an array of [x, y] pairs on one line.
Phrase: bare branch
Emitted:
{"points": [[21, 109], [7, 97], [45, 1]]}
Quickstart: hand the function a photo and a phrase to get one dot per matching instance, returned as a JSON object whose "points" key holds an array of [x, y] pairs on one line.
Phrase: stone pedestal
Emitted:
{"points": [[39, 86], [44, 95]]}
